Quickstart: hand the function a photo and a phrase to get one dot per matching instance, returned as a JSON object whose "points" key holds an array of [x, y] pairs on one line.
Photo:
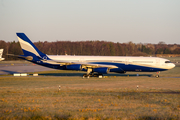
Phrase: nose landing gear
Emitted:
{"points": [[157, 75]]}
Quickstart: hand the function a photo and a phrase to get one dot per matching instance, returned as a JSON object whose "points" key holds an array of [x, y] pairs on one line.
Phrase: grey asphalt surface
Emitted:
{"points": [[21, 68]]}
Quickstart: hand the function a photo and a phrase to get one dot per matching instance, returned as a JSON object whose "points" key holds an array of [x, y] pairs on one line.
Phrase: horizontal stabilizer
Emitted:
{"points": [[22, 56]]}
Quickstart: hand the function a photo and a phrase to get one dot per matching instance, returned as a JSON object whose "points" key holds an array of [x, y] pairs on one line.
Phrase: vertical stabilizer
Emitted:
{"points": [[29, 49], [1, 53]]}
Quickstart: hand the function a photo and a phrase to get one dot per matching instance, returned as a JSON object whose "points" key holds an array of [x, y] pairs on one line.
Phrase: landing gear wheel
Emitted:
{"points": [[157, 76], [95, 75], [86, 76]]}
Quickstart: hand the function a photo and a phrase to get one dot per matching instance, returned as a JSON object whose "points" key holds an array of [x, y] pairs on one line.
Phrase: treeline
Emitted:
{"points": [[101, 48]]}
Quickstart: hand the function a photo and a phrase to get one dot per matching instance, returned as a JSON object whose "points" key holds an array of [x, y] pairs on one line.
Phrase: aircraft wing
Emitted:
{"points": [[84, 64], [61, 63]]}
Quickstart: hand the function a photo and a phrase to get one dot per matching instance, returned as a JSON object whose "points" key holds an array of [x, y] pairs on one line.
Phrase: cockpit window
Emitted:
{"points": [[167, 61]]}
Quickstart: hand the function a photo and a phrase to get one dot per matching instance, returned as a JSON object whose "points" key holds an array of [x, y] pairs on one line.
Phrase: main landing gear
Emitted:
{"points": [[86, 76], [92, 75], [89, 73]]}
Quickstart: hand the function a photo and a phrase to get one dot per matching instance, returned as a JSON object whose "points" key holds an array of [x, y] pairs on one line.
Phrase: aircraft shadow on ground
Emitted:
{"points": [[81, 74], [9, 72], [61, 74]]}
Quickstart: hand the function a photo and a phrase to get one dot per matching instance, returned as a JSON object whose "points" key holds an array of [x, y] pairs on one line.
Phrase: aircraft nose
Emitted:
{"points": [[173, 65]]}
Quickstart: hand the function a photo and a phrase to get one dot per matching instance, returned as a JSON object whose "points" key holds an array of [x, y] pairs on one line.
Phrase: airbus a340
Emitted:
{"points": [[93, 65]]}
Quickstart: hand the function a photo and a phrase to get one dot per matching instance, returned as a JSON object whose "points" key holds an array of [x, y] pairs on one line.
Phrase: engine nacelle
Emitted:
{"points": [[74, 67], [101, 70]]}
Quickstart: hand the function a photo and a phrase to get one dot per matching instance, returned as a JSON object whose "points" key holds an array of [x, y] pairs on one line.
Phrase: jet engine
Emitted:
{"points": [[74, 67], [101, 70]]}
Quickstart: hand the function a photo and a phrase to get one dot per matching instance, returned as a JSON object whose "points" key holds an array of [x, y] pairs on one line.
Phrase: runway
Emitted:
{"points": [[21, 68]]}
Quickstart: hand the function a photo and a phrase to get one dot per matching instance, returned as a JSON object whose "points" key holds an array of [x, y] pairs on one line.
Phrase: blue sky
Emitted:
{"points": [[139, 21]]}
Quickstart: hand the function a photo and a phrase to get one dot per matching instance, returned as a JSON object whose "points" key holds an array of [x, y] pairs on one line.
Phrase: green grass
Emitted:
{"points": [[94, 98]]}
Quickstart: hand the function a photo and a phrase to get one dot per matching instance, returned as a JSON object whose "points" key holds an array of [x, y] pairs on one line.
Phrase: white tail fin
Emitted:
{"points": [[1, 53], [29, 49]]}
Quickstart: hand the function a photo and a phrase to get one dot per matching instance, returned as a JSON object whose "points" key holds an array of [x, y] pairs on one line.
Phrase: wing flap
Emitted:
{"points": [[86, 65]]}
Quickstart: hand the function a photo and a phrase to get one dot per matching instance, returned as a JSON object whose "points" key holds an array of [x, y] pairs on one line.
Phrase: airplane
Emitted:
{"points": [[1, 53], [92, 65]]}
